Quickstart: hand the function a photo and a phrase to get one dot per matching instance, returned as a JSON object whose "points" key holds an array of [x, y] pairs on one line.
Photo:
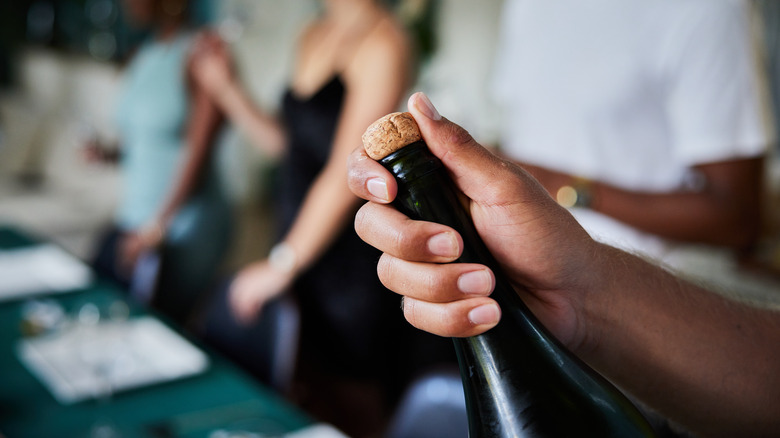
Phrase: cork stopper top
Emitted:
{"points": [[389, 134]]}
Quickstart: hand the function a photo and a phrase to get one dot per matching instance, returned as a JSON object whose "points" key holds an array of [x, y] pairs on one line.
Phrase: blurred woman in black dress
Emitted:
{"points": [[353, 65]]}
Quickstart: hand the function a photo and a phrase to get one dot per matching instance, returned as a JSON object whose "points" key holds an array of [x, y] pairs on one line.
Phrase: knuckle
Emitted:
{"points": [[355, 174], [419, 316], [450, 321], [403, 242], [438, 319], [361, 221], [431, 281], [455, 134], [384, 270], [368, 226]]}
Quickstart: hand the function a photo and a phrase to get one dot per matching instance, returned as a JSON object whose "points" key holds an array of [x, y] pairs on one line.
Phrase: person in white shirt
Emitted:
{"points": [[644, 117]]}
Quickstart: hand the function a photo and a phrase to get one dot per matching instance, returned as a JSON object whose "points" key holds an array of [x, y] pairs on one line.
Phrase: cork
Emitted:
{"points": [[389, 134]]}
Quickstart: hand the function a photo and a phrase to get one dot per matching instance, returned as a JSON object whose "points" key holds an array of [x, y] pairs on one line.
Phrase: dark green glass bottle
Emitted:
{"points": [[519, 381]]}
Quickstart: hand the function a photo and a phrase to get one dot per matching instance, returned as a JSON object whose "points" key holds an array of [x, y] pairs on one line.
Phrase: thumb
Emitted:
{"points": [[474, 169]]}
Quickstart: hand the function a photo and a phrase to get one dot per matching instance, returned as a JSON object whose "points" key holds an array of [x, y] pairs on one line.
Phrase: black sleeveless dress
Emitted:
{"points": [[351, 323]]}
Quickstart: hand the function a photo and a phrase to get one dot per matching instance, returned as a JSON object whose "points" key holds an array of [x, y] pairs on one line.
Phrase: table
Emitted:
{"points": [[222, 397]]}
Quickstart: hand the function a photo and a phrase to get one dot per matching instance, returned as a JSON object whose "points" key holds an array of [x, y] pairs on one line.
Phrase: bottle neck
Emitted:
{"points": [[411, 162]]}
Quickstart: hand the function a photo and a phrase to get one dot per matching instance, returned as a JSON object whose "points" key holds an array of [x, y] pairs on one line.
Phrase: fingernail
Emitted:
{"points": [[476, 282], [485, 315], [425, 106], [443, 244], [378, 188]]}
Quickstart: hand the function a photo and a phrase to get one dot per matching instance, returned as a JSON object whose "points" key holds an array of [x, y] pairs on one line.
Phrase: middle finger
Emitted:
{"points": [[390, 231], [434, 282]]}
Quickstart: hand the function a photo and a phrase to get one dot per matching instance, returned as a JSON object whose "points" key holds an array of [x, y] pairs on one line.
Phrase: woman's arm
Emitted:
{"points": [[212, 70], [725, 210], [375, 81], [202, 127]]}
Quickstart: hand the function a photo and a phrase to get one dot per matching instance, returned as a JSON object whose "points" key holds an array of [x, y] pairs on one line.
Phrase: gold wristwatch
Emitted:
{"points": [[577, 194]]}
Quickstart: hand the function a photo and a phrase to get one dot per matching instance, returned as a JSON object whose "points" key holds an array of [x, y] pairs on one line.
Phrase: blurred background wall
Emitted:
{"points": [[61, 63]]}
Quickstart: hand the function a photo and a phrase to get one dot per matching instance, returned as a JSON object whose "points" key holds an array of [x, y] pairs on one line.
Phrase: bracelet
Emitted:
{"points": [[283, 258]]}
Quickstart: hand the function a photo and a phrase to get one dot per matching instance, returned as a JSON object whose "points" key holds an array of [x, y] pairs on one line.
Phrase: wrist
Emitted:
{"points": [[284, 259], [226, 93], [578, 193], [153, 234], [599, 305], [606, 312]]}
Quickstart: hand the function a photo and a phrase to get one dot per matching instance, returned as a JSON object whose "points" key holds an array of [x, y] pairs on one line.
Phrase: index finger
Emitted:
{"points": [[368, 179]]}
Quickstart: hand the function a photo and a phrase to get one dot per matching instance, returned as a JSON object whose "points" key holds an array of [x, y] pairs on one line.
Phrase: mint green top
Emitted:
{"points": [[152, 113]]}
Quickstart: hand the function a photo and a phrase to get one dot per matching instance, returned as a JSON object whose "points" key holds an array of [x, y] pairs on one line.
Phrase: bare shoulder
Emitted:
{"points": [[311, 33], [387, 45], [388, 35]]}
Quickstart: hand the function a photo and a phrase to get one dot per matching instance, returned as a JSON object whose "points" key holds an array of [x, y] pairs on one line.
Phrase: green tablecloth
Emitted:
{"points": [[223, 397]]}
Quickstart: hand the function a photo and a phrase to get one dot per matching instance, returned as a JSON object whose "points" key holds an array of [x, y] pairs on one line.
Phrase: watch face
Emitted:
{"points": [[574, 196], [567, 196]]}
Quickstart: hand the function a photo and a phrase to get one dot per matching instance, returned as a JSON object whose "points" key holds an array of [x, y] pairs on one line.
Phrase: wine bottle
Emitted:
{"points": [[518, 379]]}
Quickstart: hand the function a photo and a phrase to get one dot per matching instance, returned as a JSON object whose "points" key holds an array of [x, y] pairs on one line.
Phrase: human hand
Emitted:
{"points": [[551, 180], [211, 64], [133, 244], [253, 287], [93, 151], [540, 246]]}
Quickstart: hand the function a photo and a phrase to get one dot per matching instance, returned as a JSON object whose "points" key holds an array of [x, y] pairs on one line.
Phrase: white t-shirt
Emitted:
{"points": [[629, 92]]}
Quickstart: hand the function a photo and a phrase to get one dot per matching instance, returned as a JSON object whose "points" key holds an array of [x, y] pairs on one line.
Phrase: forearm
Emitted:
{"points": [[327, 209], [263, 130], [189, 177], [202, 127], [724, 211], [689, 353], [685, 216]]}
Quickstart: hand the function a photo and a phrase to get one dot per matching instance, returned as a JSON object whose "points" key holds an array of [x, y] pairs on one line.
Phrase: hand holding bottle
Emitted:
{"points": [[708, 363], [539, 244], [519, 381]]}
